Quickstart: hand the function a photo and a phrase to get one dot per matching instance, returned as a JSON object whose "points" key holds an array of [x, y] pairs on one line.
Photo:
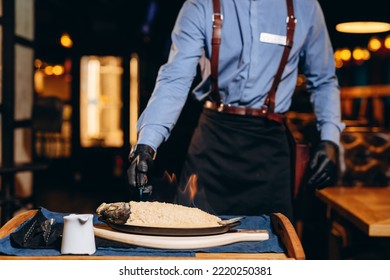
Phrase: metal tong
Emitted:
{"points": [[229, 221], [144, 188]]}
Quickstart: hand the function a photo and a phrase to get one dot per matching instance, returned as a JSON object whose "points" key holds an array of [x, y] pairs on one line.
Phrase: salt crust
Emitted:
{"points": [[161, 214]]}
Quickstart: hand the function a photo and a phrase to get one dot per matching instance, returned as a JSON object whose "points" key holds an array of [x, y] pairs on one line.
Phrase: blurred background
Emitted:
{"points": [[75, 75]]}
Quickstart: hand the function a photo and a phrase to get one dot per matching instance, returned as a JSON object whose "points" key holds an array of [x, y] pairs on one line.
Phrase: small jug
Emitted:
{"points": [[78, 236]]}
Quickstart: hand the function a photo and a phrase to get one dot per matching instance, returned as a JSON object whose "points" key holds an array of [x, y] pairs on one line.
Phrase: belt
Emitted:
{"points": [[244, 111]]}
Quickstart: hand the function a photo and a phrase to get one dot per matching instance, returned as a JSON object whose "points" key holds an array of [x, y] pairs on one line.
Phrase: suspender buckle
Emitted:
{"points": [[217, 16], [264, 109], [291, 17]]}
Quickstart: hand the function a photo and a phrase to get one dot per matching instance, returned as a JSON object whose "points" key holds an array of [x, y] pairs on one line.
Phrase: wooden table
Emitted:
{"points": [[281, 224], [366, 207], [355, 211]]}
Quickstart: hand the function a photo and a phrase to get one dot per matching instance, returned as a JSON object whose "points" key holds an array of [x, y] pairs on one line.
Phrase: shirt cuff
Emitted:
{"points": [[151, 136], [331, 132]]}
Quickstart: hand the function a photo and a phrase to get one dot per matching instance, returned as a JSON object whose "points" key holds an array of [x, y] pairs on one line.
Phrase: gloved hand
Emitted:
{"points": [[141, 161], [323, 165]]}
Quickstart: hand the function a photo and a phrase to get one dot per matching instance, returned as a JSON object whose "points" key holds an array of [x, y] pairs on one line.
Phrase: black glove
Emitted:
{"points": [[141, 161], [323, 165]]}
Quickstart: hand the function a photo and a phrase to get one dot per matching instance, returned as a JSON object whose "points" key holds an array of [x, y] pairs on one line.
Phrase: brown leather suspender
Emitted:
{"points": [[269, 104], [215, 43], [270, 100]]}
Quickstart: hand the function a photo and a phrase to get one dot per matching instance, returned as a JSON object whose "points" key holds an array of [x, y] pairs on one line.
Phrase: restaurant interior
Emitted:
{"points": [[75, 75]]}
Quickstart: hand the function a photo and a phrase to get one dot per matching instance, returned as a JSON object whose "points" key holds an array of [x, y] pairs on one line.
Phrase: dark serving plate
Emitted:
{"points": [[167, 231]]}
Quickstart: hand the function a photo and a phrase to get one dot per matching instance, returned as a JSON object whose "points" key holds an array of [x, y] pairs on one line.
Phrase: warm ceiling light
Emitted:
{"points": [[345, 54], [38, 63], [66, 41], [337, 55], [387, 42], [58, 70], [363, 27], [358, 54], [374, 44], [366, 54], [48, 70], [339, 64]]}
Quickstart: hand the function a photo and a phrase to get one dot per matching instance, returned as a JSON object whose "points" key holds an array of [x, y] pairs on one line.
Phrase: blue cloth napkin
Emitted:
{"points": [[272, 245]]}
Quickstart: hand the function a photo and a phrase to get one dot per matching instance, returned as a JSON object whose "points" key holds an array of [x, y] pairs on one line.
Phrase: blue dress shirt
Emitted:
{"points": [[253, 34]]}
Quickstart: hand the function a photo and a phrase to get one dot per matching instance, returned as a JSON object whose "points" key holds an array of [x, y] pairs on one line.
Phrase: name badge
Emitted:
{"points": [[273, 39]]}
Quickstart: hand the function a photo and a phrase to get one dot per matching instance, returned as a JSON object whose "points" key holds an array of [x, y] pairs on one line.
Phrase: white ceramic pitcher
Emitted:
{"points": [[78, 236]]}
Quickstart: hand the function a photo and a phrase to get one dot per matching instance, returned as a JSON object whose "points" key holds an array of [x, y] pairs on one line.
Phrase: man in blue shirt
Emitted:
{"points": [[241, 162]]}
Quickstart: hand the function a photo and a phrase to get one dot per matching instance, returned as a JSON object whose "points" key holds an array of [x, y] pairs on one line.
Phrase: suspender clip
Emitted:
{"points": [[291, 17], [217, 15]]}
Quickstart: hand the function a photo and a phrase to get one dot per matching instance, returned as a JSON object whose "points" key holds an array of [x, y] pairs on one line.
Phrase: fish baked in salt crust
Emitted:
{"points": [[157, 214]]}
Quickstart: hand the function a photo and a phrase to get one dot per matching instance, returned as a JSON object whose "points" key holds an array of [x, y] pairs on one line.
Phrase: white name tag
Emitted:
{"points": [[273, 38]]}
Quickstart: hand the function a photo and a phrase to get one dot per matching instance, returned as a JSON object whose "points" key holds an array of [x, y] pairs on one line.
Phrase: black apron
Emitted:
{"points": [[240, 166]]}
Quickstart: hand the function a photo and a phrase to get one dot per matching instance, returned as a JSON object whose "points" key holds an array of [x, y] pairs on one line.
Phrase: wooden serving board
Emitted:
{"points": [[180, 242]]}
